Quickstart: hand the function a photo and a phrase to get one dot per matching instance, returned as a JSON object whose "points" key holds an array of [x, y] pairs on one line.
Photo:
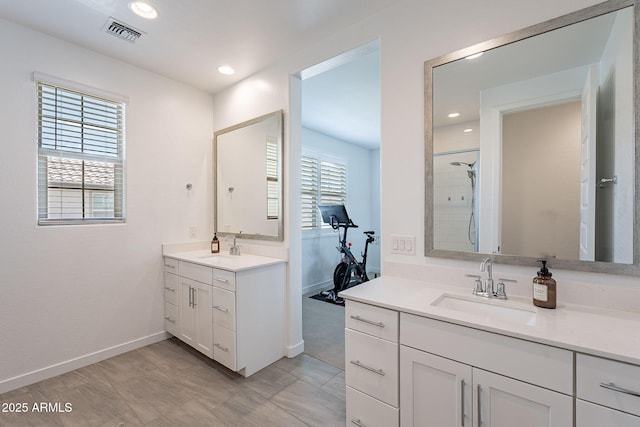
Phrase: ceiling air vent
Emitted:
{"points": [[122, 31]]}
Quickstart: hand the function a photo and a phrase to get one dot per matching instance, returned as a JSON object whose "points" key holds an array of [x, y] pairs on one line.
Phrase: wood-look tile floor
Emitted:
{"points": [[169, 384]]}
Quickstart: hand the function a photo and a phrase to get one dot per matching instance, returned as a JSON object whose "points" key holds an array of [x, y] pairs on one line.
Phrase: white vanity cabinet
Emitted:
{"points": [[371, 365], [195, 309], [607, 392], [171, 295], [233, 317], [458, 376]]}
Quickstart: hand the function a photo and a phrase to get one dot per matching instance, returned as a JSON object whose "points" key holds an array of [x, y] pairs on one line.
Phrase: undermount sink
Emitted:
{"points": [[493, 309]]}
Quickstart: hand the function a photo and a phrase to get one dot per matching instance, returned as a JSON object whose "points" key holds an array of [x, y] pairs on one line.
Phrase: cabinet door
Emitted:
{"points": [[187, 321], [592, 415], [202, 301], [504, 402], [434, 391]]}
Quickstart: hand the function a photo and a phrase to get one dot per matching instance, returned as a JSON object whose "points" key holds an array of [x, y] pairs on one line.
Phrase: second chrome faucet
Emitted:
{"points": [[488, 289]]}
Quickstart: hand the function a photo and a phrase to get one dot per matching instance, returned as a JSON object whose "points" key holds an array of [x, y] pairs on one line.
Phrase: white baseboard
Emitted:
{"points": [[292, 351], [317, 287], [79, 362]]}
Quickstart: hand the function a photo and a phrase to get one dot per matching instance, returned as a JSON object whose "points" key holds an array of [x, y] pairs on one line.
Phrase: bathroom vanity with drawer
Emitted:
{"points": [[230, 308], [413, 362]]}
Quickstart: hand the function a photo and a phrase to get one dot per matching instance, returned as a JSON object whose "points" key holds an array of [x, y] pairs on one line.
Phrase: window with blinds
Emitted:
{"points": [[80, 157], [323, 183]]}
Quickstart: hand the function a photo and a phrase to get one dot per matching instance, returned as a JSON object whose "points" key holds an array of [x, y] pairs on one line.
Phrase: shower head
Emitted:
{"points": [[462, 163]]}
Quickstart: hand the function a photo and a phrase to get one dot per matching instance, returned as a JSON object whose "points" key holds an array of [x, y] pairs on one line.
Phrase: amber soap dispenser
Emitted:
{"points": [[544, 288], [215, 244]]}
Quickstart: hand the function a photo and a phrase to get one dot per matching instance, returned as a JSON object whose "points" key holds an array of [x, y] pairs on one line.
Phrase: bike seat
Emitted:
{"points": [[369, 233]]}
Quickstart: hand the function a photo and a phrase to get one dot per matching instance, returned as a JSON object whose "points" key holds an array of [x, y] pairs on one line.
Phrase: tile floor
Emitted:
{"points": [[170, 384]]}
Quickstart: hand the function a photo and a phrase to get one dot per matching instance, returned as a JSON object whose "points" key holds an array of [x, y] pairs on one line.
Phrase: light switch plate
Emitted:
{"points": [[404, 245]]}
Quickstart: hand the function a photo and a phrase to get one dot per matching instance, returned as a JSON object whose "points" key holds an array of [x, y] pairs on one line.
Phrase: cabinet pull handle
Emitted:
{"points": [[222, 309], [190, 296], [221, 279], [479, 406], [226, 349], [170, 289], [371, 322], [358, 423], [170, 266], [368, 368], [612, 386], [462, 402], [169, 319], [194, 297]]}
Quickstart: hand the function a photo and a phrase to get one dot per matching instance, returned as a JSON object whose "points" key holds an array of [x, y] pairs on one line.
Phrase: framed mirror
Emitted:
{"points": [[531, 145], [248, 178]]}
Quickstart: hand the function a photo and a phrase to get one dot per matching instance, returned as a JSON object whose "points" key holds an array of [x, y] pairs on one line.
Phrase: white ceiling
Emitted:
{"points": [[191, 38]]}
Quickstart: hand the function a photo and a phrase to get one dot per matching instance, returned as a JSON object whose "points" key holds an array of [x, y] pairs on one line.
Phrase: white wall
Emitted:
{"points": [[410, 33], [319, 254], [87, 292]]}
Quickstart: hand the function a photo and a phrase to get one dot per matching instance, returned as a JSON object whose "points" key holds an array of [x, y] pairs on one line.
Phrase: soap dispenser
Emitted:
{"points": [[215, 244], [544, 288]]}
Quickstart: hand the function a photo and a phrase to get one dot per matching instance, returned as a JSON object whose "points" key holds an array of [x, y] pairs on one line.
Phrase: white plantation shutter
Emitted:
{"points": [[309, 189], [273, 198], [80, 157], [323, 183]]}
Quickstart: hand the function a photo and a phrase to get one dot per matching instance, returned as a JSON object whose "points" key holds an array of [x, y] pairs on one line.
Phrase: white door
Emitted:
{"points": [[503, 402], [434, 391], [588, 167]]}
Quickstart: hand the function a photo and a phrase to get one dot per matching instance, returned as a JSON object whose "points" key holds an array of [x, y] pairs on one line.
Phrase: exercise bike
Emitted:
{"points": [[349, 272]]}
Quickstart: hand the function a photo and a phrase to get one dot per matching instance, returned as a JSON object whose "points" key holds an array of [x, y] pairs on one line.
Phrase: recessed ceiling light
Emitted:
{"points": [[225, 69], [453, 115], [143, 9], [475, 55], [467, 130]]}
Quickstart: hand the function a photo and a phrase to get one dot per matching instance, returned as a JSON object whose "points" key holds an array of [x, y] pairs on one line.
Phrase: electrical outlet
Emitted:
{"points": [[404, 245], [193, 232]]}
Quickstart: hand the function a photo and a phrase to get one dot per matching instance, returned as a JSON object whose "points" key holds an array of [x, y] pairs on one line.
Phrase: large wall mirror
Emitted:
{"points": [[531, 145], [248, 178]]}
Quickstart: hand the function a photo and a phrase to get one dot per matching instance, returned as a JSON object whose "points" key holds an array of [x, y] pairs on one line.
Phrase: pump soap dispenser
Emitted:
{"points": [[215, 244], [544, 288]]}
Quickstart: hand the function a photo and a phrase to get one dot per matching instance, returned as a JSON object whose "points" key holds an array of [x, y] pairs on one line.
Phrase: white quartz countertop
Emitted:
{"points": [[224, 261], [606, 333]]}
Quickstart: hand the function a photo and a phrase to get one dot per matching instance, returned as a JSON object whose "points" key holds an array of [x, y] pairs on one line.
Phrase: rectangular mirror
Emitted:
{"points": [[531, 147], [248, 178]]}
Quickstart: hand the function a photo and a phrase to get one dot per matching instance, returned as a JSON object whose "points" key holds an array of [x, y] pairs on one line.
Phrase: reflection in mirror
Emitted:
{"points": [[248, 178], [532, 148]]}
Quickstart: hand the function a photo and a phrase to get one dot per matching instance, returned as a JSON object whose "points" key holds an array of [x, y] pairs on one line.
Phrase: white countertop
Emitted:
{"points": [[224, 261], [606, 333]]}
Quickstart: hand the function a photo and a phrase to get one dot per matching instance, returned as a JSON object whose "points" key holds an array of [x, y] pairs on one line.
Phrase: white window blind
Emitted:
{"points": [[273, 198], [323, 183], [80, 157]]}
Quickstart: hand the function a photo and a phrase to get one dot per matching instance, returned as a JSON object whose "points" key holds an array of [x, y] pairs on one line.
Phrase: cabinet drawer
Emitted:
{"points": [[371, 366], [224, 308], [171, 265], [170, 288], [538, 364], [365, 411], [372, 320], [224, 279], [591, 415], [197, 272], [593, 372], [171, 318], [224, 347]]}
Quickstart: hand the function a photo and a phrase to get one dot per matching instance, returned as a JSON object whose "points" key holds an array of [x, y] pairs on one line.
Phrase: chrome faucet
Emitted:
{"points": [[234, 249], [485, 266]]}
